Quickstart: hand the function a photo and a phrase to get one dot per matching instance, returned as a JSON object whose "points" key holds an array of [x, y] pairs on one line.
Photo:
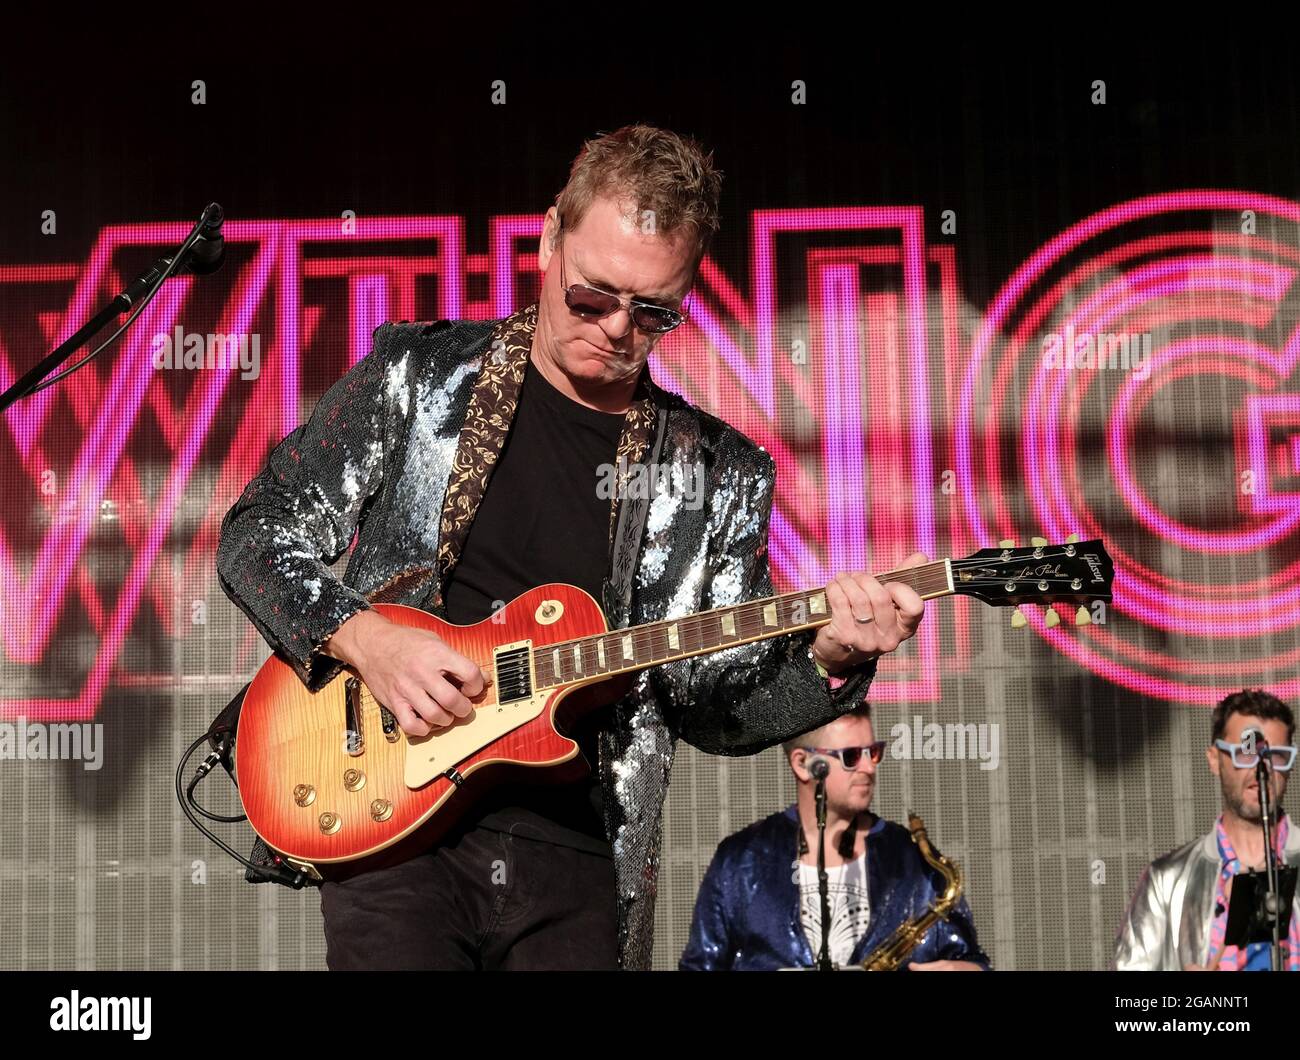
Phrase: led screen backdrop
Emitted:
{"points": [[1121, 367]]}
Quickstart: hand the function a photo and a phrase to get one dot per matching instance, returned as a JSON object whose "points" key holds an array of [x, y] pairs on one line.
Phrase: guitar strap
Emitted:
{"points": [[632, 514]]}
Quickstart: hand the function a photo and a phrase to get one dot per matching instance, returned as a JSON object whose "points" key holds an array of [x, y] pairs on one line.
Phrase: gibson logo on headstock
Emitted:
{"points": [[1094, 565]]}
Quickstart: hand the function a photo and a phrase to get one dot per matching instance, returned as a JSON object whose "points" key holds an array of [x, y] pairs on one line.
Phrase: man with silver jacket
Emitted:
{"points": [[468, 459], [1178, 916]]}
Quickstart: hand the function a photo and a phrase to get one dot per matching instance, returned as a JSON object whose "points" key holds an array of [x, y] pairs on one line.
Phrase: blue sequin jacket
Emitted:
{"points": [[747, 911], [399, 452]]}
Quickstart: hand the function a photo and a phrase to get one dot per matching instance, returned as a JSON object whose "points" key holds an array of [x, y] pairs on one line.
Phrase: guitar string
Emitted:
{"points": [[652, 640], [745, 612], [646, 637], [748, 613], [748, 618]]}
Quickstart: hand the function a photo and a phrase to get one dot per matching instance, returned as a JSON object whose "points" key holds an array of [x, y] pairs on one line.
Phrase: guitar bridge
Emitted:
{"points": [[355, 736]]}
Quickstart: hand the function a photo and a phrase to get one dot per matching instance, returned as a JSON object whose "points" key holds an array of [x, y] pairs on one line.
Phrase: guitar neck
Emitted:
{"points": [[639, 647]]}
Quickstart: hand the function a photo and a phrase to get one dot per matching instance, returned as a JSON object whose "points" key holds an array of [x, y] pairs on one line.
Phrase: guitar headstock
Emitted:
{"points": [[1073, 573]]}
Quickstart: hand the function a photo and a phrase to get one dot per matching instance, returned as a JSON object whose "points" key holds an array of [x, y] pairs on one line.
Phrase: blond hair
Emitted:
{"points": [[656, 173]]}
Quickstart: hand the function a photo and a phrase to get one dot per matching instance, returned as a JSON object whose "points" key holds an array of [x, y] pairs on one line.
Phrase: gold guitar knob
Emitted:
{"points": [[330, 823], [304, 794], [354, 779], [381, 809]]}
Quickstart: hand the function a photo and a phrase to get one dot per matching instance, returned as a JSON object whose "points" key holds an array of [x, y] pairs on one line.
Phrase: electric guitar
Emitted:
{"points": [[331, 782]]}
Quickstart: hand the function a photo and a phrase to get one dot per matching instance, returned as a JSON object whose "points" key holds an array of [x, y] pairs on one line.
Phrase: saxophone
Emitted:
{"points": [[890, 954]]}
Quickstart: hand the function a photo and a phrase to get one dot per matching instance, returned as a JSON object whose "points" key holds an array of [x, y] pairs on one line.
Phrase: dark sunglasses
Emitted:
{"points": [[593, 302], [850, 756]]}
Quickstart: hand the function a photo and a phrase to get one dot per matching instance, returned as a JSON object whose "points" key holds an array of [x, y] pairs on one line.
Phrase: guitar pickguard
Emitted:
{"points": [[428, 757]]}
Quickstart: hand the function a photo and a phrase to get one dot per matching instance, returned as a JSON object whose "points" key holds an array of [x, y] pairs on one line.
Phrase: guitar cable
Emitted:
{"points": [[278, 873]]}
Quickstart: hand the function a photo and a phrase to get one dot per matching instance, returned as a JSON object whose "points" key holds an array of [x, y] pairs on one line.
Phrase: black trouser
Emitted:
{"points": [[484, 900]]}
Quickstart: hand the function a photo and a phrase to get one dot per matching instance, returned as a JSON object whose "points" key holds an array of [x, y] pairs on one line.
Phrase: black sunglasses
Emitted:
{"points": [[593, 302]]}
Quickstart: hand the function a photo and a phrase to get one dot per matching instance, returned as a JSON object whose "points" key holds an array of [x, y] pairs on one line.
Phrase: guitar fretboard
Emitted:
{"points": [[638, 647]]}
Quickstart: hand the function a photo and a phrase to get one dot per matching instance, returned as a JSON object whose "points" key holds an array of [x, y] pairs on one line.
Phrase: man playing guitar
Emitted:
{"points": [[467, 458]]}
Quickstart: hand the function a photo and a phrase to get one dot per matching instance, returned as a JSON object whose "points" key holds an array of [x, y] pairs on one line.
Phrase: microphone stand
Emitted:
{"points": [[823, 882], [141, 290], [1272, 901]]}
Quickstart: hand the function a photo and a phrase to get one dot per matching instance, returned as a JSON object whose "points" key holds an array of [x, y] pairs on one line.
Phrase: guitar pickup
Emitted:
{"points": [[513, 666]]}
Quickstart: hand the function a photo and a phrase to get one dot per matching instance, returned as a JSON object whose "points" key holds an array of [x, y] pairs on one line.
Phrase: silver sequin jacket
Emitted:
{"points": [[393, 451], [1168, 921]]}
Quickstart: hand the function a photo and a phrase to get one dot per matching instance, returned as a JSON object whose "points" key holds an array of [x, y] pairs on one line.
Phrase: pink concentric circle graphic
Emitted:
{"points": [[1135, 380]]}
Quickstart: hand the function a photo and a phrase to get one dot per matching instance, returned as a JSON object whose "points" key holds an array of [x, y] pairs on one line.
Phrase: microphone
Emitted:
{"points": [[202, 259], [1263, 764], [819, 767], [209, 250]]}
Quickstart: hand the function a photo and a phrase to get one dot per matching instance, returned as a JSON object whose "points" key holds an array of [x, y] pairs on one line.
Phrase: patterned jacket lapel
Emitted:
{"points": [[490, 411]]}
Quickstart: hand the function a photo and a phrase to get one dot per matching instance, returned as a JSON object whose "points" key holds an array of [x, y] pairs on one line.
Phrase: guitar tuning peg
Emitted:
{"points": [[1083, 617], [1008, 543], [1073, 539], [1018, 620], [1038, 542], [1052, 618]]}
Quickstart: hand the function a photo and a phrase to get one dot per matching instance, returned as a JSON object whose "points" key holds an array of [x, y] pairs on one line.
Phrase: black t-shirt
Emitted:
{"points": [[542, 520]]}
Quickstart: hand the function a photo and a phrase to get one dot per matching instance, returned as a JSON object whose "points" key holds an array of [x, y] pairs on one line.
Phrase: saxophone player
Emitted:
{"points": [[759, 906]]}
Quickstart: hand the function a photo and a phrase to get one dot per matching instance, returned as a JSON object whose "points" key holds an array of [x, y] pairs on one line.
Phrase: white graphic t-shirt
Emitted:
{"points": [[850, 908]]}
